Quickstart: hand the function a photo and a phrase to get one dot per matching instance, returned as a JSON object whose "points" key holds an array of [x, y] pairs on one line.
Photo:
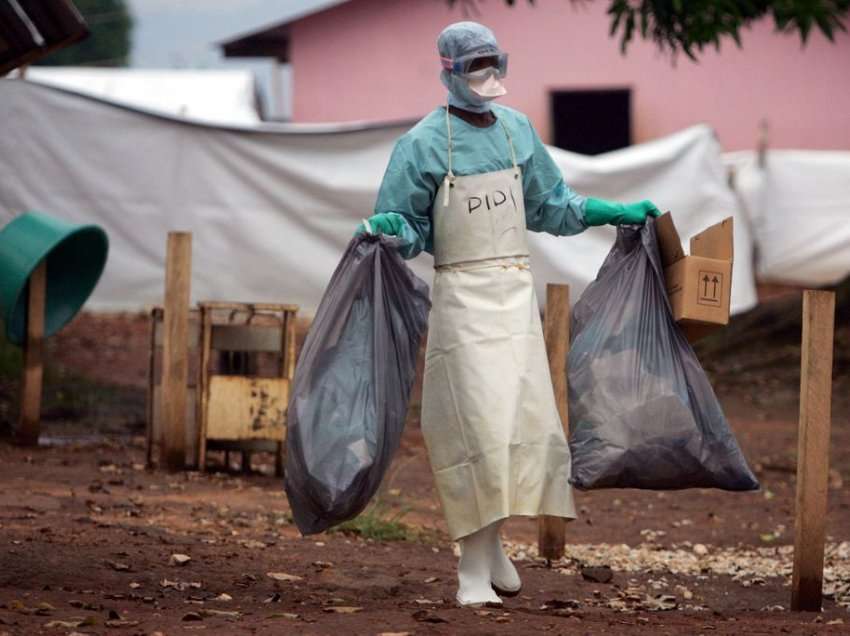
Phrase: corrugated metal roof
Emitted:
{"points": [[30, 30], [272, 40]]}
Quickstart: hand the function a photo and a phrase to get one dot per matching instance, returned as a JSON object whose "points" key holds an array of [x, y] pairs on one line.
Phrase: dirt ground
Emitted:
{"points": [[89, 533]]}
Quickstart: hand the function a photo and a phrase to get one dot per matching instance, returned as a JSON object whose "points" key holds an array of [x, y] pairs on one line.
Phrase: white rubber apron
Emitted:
{"points": [[489, 417]]}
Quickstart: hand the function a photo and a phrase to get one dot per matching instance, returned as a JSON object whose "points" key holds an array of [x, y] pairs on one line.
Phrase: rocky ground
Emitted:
{"points": [[93, 542]]}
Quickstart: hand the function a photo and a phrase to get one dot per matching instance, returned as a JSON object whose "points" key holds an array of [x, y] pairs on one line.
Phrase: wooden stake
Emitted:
{"points": [[175, 350], [33, 372], [289, 337], [287, 370], [813, 450], [552, 530], [203, 387], [150, 405]]}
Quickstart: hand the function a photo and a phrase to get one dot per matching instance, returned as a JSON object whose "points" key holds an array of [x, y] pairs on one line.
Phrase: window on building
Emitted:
{"points": [[592, 121]]}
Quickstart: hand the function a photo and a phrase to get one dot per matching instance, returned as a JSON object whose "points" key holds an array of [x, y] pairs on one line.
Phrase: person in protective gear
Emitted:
{"points": [[465, 184]]}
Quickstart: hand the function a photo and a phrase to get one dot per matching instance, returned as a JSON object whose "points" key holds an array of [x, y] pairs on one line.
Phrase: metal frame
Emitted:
{"points": [[285, 316]]}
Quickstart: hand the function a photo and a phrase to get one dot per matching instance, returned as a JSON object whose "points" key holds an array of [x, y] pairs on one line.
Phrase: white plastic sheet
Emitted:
{"points": [[799, 205], [216, 96], [271, 208], [682, 173]]}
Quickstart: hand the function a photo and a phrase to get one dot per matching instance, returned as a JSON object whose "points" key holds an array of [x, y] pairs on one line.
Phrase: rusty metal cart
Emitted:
{"points": [[247, 362]]}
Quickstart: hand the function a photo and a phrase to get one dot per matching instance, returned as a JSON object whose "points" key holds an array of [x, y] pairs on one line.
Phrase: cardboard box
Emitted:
{"points": [[699, 284]]}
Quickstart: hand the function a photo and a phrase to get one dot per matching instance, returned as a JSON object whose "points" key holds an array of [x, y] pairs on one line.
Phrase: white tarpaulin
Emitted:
{"points": [[271, 208], [799, 206], [215, 96]]}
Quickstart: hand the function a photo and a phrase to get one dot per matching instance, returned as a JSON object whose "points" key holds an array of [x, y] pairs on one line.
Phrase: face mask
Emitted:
{"points": [[487, 87], [473, 91]]}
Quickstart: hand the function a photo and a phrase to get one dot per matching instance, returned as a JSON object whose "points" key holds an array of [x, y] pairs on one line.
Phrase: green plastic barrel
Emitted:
{"points": [[76, 255]]}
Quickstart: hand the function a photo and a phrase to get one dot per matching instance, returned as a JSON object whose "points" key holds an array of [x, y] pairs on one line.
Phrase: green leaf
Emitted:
{"points": [[805, 25], [825, 26], [615, 24], [628, 30], [737, 37]]}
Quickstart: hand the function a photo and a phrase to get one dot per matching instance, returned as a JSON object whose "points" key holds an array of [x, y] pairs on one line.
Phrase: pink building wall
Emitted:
{"points": [[376, 60]]}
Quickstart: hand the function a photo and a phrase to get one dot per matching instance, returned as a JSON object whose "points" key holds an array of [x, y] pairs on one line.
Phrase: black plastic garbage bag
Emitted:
{"points": [[352, 384], [642, 411]]}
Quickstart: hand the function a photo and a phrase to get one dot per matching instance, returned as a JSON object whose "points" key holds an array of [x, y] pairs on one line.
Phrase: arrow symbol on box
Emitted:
{"points": [[715, 281], [705, 287]]}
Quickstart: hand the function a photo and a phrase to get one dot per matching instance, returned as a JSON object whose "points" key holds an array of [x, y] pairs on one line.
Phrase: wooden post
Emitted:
{"points": [[175, 350], [552, 530], [813, 450], [290, 344], [287, 370], [29, 422], [203, 387], [151, 393]]}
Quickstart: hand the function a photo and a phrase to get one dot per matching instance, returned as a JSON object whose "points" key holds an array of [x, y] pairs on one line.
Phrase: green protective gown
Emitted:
{"points": [[419, 163]]}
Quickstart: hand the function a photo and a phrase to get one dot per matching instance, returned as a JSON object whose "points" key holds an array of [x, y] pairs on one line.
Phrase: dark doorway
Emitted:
{"points": [[592, 121]]}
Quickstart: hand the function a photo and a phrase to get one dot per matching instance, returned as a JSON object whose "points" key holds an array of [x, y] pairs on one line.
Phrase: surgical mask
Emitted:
{"points": [[474, 91], [486, 83]]}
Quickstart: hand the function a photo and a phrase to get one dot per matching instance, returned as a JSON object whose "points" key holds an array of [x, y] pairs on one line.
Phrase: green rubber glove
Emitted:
{"points": [[600, 212], [389, 223]]}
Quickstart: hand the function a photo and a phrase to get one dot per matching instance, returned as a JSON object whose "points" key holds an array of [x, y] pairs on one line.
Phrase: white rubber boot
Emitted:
{"points": [[473, 571], [503, 574]]}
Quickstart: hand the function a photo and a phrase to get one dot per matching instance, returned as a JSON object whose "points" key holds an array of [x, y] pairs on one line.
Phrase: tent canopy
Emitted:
{"points": [[272, 207], [215, 96]]}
